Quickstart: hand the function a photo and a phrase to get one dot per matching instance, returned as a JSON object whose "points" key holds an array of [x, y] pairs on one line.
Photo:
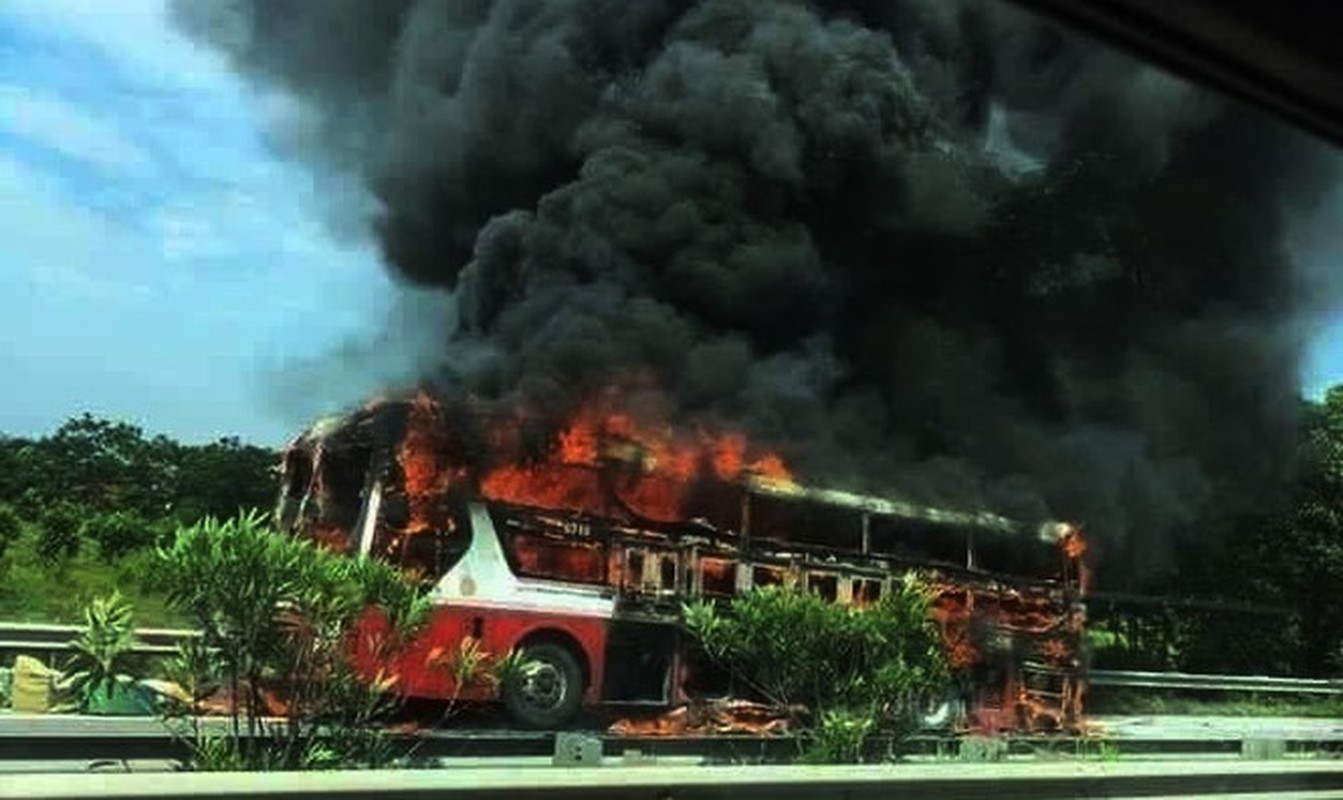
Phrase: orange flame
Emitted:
{"points": [[425, 477], [605, 461], [604, 456], [1074, 546]]}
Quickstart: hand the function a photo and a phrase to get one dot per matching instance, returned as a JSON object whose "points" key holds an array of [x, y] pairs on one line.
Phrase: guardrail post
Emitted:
{"points": [[577, 750], [1263, 749], [983, 748]]}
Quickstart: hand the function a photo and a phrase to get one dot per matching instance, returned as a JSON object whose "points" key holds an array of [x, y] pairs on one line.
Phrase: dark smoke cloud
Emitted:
{"points": [[925, 247]]}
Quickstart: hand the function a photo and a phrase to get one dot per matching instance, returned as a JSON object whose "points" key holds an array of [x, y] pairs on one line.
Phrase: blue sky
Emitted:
{"points": [[158, 264]]}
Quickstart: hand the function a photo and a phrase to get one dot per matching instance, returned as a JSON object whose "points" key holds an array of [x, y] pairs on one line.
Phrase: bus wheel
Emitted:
{"points": [[548, 690]]}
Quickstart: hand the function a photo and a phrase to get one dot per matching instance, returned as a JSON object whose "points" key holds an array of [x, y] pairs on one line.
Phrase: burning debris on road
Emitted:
{"points": [[708, 719]]}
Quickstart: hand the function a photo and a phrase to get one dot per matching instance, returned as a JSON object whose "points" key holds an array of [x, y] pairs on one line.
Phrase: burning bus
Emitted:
{"points": [[579, 546]]}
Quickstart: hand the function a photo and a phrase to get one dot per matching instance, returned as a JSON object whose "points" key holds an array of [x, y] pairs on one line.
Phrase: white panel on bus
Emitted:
{"points": [[483, 578], [370, 519]]}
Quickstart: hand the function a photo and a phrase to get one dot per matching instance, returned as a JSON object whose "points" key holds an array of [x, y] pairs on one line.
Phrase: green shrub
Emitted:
{"points": [[277, 610], [856, 672], [839, 737], [102, 649]]}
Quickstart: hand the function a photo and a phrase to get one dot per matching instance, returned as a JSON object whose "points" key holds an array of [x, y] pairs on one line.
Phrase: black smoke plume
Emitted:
{"points": [[931, 248]]}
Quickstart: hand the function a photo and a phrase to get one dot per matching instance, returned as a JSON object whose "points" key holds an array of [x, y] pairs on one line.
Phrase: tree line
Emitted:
{"points": [[82, 508]]}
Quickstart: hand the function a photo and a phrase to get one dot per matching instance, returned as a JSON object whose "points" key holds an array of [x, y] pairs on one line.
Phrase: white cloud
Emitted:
{"points": [[211, 261], [135, 33], [187, 233], [60, 247], [49, 121], [200, 227]]}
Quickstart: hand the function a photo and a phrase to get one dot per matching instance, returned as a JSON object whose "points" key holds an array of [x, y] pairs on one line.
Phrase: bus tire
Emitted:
{"points": [[549, 693]]}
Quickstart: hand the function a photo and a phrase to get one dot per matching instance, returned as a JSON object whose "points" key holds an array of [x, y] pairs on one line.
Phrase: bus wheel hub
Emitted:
{"points": [[544, 686]]}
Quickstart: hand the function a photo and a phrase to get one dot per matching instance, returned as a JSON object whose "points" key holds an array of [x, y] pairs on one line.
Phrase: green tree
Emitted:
{"points": [[113, 466], [11, 527], [118, 533], [58, 532], [1291, 557], [15, 467], [1309, 555], [221, 478], [105, 464], [96, 495]]}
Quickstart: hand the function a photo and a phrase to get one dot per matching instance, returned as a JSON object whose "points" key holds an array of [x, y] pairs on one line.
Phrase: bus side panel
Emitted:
{"points": [[426, 665]]}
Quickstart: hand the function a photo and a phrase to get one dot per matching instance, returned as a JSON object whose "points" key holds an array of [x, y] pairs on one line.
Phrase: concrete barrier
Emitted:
{"points": [[1005, 781]]}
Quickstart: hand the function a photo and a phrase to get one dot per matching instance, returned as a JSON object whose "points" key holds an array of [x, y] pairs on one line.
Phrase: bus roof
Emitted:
{"points": [[884, 507]]}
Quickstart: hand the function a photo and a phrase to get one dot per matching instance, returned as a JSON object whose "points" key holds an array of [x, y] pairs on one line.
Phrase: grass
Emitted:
{"points": [[1230, 704], [33, 591]]}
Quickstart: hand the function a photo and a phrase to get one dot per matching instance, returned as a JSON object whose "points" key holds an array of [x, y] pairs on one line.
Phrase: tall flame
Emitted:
{"points": [[425, 477]]}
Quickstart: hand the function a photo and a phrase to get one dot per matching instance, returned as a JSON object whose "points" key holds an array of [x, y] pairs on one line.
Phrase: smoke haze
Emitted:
{"points": [[927, 248]]}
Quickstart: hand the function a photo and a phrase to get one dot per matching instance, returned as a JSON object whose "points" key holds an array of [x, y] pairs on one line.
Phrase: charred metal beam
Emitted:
{"points": [[884, 507]]}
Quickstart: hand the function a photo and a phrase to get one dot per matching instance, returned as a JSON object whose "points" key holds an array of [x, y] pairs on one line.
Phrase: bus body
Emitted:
{"points": [[594, 601]]}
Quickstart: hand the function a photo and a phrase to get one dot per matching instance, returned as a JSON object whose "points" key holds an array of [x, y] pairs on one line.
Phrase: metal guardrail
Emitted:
{"points": [[1036, 781], [52, 639], [1213, 683], [34, 637]]}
